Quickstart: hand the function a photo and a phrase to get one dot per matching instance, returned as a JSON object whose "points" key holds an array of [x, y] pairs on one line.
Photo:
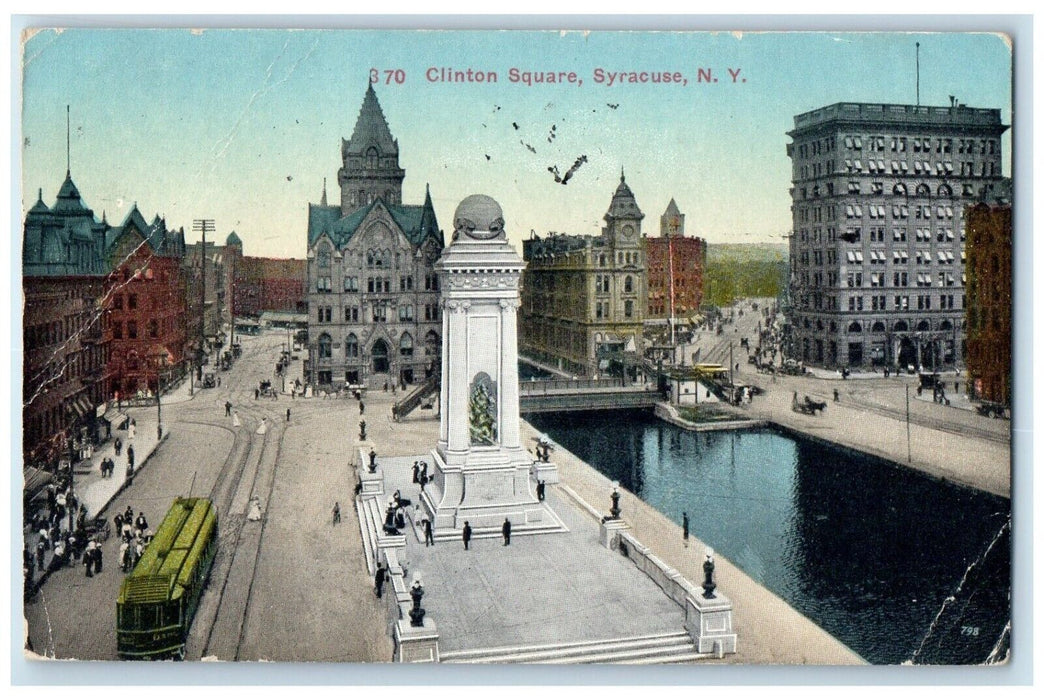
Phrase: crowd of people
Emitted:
{"points": [[135, 535], [59, 529]]}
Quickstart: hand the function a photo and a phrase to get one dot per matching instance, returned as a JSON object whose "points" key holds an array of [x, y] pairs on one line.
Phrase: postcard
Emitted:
{"points": [[517, 347]]}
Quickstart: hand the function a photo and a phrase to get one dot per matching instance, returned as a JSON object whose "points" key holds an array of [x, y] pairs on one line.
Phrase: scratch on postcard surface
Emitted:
{"points": [[265, 88], [29, 34]]}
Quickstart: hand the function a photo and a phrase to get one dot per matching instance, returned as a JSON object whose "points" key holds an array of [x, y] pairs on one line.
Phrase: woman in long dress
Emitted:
{"points": [[235, 419], [263, 428]]}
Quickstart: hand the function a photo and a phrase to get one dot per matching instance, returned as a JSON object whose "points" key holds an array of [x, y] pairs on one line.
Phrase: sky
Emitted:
{"points": [[242, 126]]}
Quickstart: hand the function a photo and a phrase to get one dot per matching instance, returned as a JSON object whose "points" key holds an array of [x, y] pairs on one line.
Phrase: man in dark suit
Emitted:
{"points": [[507, 532], [466, 534]]}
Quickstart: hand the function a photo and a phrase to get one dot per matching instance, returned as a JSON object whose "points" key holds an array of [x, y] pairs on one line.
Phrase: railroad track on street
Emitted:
{"points": [[946, 426]]}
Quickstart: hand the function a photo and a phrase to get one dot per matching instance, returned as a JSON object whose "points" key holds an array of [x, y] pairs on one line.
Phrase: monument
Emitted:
{"points": [[482, 471]]}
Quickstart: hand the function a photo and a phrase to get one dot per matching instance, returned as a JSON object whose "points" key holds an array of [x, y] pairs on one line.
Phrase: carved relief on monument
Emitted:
{"points": [[482, 410]]}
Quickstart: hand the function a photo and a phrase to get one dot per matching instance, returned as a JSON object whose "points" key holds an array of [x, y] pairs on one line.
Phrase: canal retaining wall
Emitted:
{"points": [[769, 631]]}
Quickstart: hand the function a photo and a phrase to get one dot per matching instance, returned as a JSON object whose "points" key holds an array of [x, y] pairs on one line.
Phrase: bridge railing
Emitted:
{"points": [[544, 386]]}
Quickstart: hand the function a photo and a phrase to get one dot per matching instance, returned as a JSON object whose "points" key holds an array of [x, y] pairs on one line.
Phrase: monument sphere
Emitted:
{"points": [[478, 217]]}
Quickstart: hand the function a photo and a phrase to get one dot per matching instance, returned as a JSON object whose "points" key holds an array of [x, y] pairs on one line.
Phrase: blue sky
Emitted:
{"points": [[241, 126]]}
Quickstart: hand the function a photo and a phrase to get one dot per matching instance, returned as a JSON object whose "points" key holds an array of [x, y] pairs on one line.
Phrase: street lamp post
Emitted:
{"points": [[160, 364]]}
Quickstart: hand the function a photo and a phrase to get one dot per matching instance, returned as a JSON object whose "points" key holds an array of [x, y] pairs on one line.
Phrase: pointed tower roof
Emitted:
{"points": [[322, 202], [371, 128], [233, 239], [672, 208], [39, 207], [623, 204], [428, 225], [69, 201]]}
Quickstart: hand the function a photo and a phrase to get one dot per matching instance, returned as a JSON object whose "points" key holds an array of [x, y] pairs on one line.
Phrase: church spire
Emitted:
{"points": [[323, 200], [68, 146], [370, 160]]}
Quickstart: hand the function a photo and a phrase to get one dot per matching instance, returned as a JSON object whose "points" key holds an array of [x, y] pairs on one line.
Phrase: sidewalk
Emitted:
{"points": [[95, 491]]}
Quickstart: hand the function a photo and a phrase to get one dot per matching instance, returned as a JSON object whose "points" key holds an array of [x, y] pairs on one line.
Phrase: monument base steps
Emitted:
{"points": [[668, 647]]}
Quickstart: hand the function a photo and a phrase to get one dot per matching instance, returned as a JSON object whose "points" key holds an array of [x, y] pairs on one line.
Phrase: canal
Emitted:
{"points": [[896, 565]]}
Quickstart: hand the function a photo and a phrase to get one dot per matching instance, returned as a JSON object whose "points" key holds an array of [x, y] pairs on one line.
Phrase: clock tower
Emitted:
{"points": [[623, 220]]}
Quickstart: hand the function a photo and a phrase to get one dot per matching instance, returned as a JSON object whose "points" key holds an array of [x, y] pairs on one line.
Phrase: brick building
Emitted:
{"points": [[877, 251], [146, 309], [674, 265], [989, 302], [205, 287], [253, 285], [584, 297], [66, 344]]}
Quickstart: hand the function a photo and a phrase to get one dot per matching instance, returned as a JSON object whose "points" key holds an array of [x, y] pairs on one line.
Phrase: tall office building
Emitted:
{"points": [[877, 249]]}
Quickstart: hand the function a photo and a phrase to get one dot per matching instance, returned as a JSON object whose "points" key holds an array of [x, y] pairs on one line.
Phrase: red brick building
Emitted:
{"points": [[988, 285], [66, 351], [253, 285], [146, 309], [674, 266]]}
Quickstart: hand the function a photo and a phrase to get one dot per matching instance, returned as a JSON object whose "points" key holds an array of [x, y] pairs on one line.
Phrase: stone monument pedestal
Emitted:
{"points": [[609, 533], [416, 645], [709, 622], [481, 470]]}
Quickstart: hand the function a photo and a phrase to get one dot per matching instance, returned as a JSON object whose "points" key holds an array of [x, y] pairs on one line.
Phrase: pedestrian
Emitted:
{"points": [[362, 408], [118, 521], [235, 419], [124, 557], [416, 472], [41, 549], [378, 580], [288, 415], [119, 446], [685, 528], [97, 558], [506, 530], [130, 458], [140, 523], [257, 394], [429, 536], [466, 533], [837, 396], [336, 513], [386, 386], [228, 408], [88, 559], [128, 515], [540, 490]]}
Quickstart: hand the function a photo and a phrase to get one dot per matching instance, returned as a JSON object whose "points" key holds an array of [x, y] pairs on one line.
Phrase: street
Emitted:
{"points": [[287, 588]]}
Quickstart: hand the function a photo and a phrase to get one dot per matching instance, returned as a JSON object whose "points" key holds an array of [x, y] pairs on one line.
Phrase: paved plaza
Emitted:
{"points": [[559, 587]]}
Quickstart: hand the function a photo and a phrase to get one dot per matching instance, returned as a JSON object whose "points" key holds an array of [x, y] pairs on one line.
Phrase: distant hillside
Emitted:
{"points": [[738, 270], [747, 251]]}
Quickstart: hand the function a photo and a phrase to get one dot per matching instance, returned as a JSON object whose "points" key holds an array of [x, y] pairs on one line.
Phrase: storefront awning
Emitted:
{"points": [[34, 481]]}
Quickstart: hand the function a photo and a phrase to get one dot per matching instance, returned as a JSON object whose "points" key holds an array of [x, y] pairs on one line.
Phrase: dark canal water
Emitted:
{"points": [[896, 565]]}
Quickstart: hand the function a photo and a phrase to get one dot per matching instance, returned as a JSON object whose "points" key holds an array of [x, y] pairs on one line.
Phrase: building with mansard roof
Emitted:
{"points": [[66, 344], [373, 294], [584, 297]]}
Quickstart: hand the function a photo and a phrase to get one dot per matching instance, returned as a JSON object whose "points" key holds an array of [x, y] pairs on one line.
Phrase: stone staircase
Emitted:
{"points": [[663, 648]]}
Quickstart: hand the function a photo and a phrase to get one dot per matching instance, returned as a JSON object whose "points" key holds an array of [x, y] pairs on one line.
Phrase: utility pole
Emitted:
{"points": [[204, 226], [732, 379]]}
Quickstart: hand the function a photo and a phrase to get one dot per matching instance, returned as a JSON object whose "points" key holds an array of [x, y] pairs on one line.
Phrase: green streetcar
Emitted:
{"points": [[158, 599]]}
